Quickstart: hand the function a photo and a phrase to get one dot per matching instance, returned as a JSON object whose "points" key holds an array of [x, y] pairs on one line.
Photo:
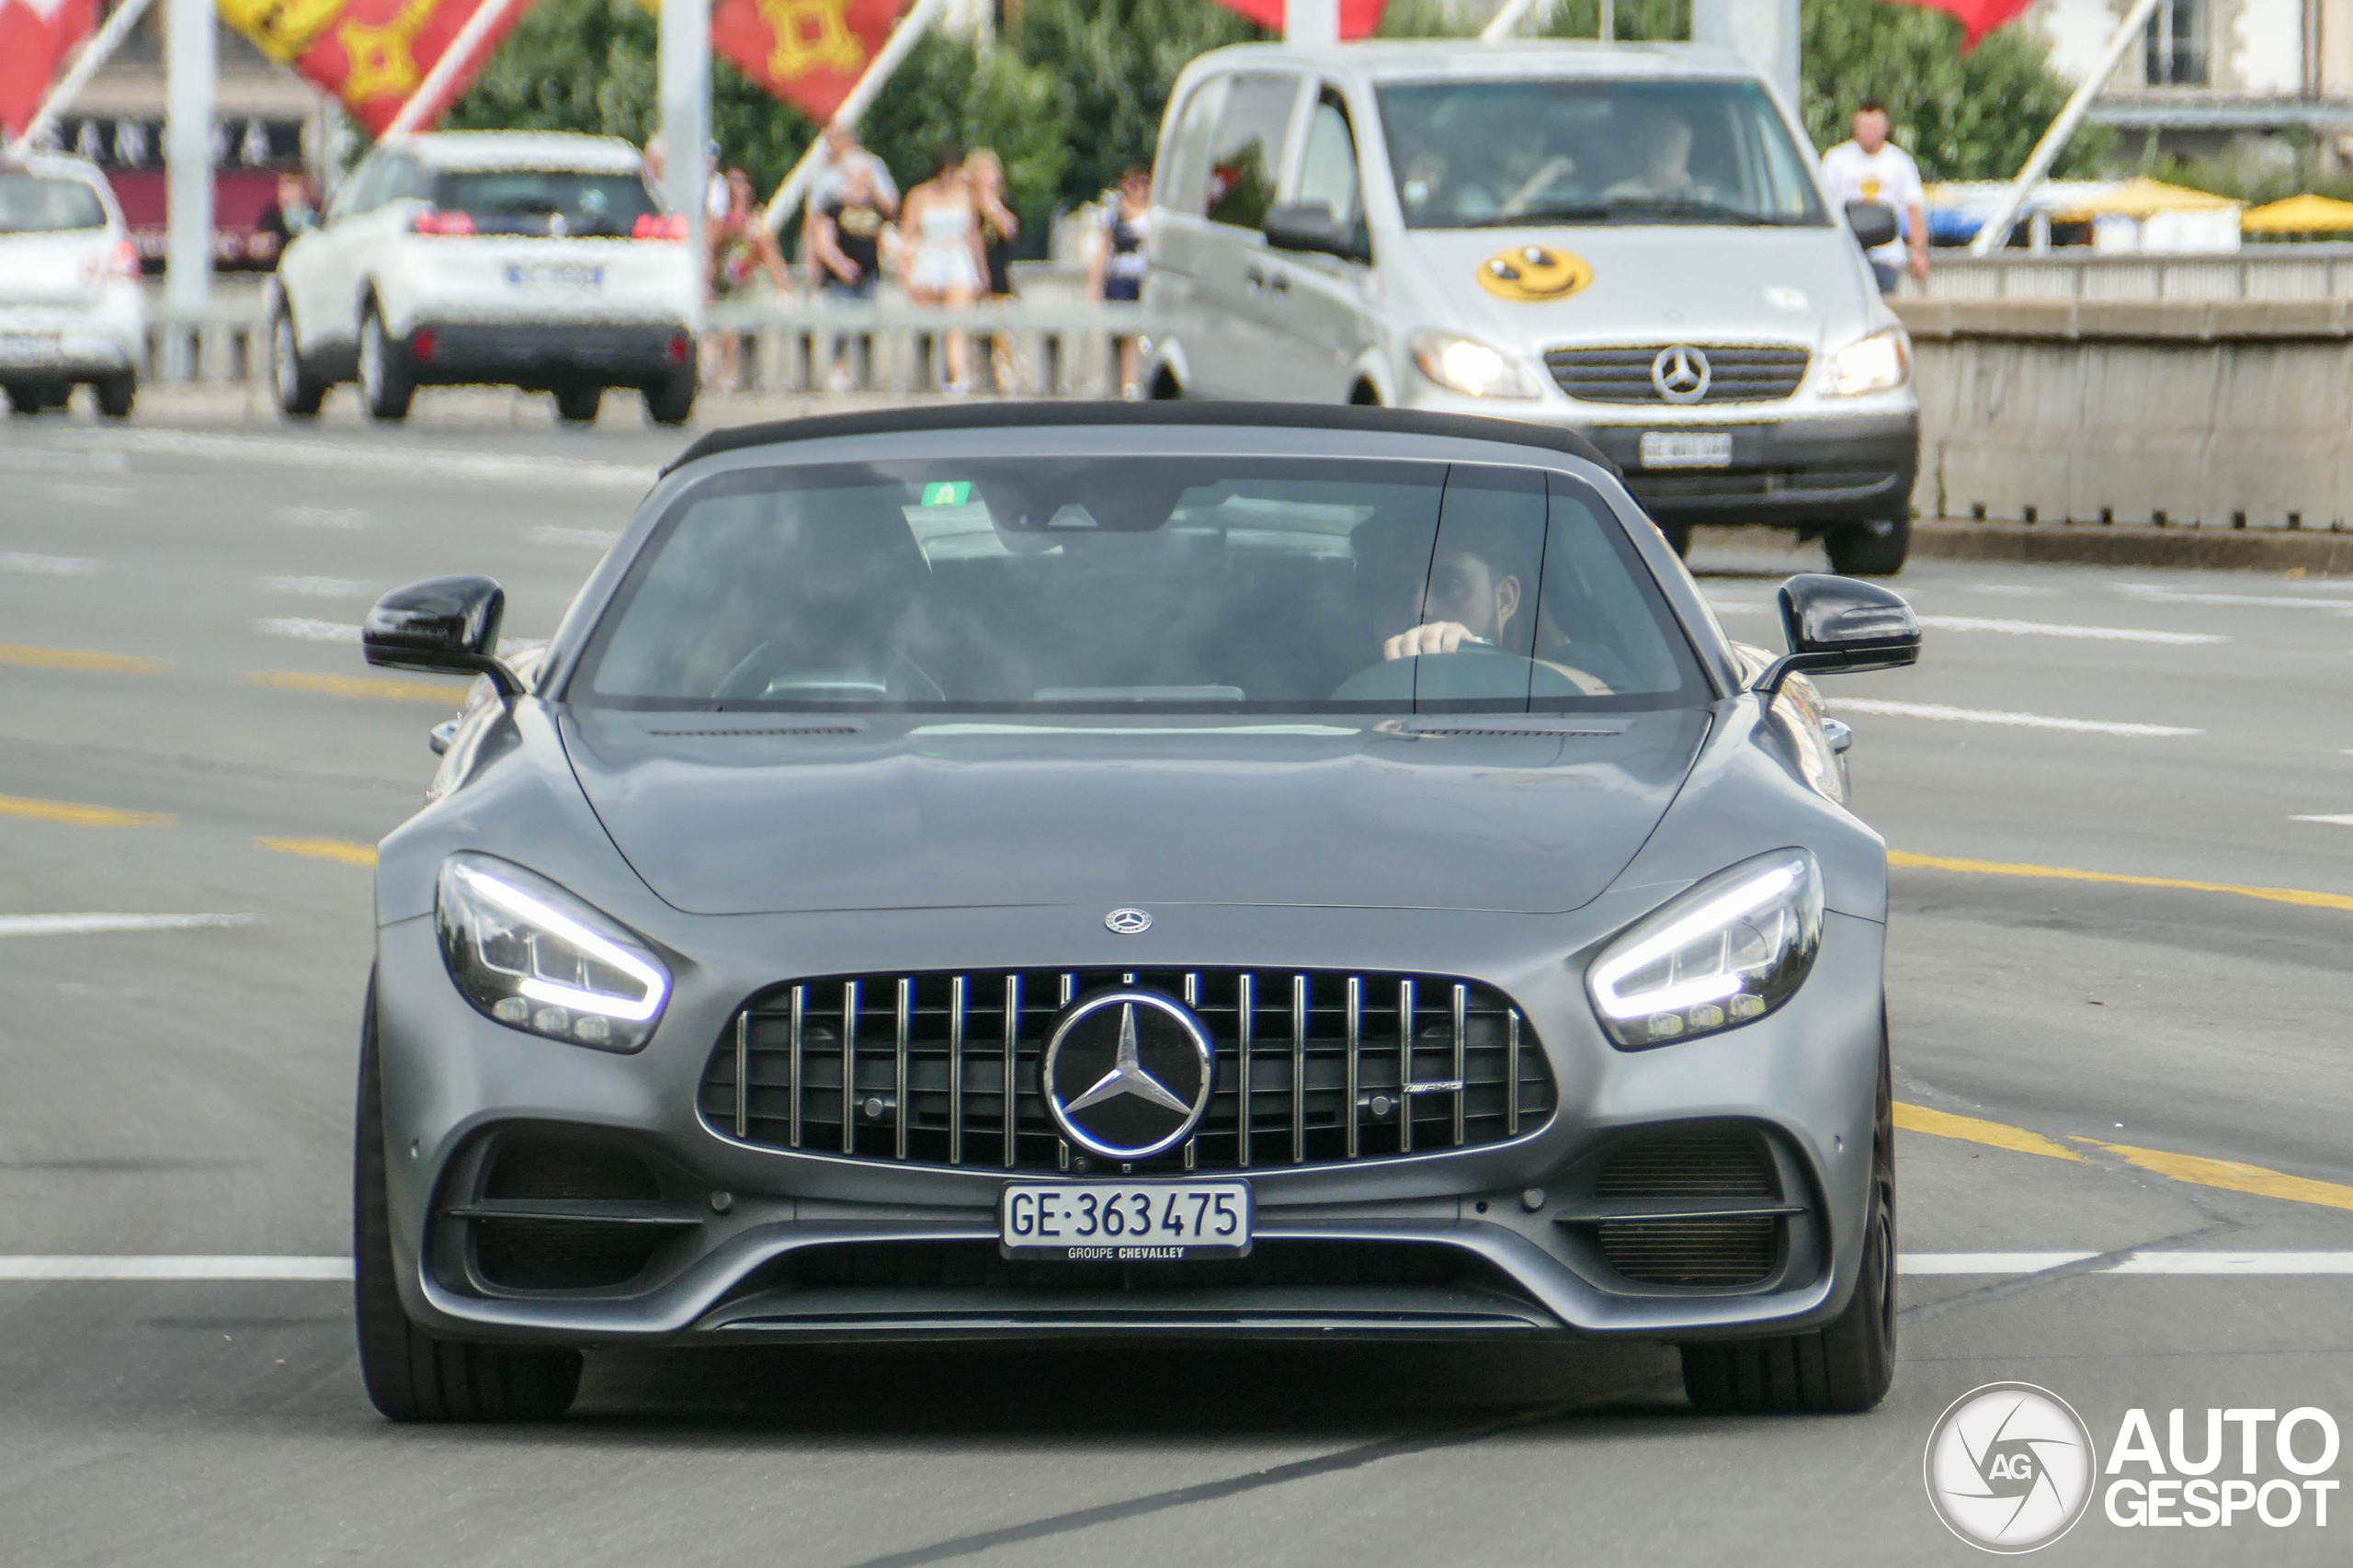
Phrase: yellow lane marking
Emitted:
{"points": [[1944, 1124], [80, 815], [2301, 896], [2231, 1176], [30, 657], [341, 850], [446, 693]]}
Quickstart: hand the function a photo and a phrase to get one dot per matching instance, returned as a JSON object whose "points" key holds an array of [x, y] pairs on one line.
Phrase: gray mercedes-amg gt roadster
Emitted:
{"points": [[1180, 869]]}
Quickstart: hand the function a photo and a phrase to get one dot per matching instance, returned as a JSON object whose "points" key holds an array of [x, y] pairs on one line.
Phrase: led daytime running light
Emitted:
{"points": [[555, 922], [1715, 915]]}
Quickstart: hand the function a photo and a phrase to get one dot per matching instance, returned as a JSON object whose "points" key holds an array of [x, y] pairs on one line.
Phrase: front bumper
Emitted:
{"points": [[542, 356], [768, 1244], [1814, 469]]}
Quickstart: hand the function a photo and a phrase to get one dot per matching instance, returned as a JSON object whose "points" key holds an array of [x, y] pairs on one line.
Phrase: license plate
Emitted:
{"points": [[557, 275], [1684, 449], [28, 346], [1111, 1222]]}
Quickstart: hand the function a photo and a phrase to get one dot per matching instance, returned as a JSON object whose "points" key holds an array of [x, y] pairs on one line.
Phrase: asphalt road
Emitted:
{"points": [[2106, 1070]]}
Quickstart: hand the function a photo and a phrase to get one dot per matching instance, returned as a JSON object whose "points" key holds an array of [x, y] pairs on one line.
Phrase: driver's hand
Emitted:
{"points": [[1436, 637]]}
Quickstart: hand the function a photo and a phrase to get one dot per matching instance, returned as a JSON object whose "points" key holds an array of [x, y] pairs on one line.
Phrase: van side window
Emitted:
{"points": [[1183, 185], [1246, 153], [1327, 166]]}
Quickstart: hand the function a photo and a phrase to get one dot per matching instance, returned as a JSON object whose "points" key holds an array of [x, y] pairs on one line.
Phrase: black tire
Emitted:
{"points": [[1849, 1364], [299, 392], [386, 385], [1166, 388], [578, 405], [26, 400], [1869, 550], [1678, 537], [57, 394], [116, 394], [671, 400], [411, 1376]]}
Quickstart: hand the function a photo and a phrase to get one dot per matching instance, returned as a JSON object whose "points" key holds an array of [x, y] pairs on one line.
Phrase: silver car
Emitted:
{"points": [[1631, 241], [1227, 870]]}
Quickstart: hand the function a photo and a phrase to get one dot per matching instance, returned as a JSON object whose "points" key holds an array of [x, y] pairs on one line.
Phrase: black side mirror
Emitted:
{"points": [[1308, 226], [1874, 225], [1837, 625], [445, 625]]}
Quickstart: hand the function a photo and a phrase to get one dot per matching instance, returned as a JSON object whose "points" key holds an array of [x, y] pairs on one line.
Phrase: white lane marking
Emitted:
{"points": [[409, 463], [92, 495], [87, 924], [2054, 629], [48, 566], [1942, 714], [306, 628], [593, 539], [36, 460], [198, 1266], [2015, 1263], [2012, 590], [1738, 606], [316, 587], [2262, 601], [2346, 821], [345, 518]]}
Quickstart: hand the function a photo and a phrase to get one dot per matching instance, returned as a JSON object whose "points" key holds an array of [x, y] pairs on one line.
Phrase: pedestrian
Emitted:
{"points": [[1871, 168], [941, 259], [999, 228], [845, 240], [742, 250], [291, 214], [1116, 269], [839, 153]]}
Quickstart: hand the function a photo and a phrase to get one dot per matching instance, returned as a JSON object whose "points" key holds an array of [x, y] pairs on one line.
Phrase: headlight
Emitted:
{"points": [[1881, 362], [1467, 365], [531, 956], [1725, 952]]}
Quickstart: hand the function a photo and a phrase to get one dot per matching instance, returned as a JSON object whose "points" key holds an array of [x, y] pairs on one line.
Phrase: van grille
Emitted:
{"points": [[1737, 374], [1308, 1067]]}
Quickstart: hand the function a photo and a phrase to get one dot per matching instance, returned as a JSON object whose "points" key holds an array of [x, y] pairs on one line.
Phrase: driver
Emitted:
{"points": [[1478, 599], [1666, 140]]}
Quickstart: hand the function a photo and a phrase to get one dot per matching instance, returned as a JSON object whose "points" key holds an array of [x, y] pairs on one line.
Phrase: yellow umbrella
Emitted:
{"points": [[2143, 198], [2305, 214]]}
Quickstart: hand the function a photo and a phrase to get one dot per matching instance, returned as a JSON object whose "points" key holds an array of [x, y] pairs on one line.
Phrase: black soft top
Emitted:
{"points": [[1248, 415]]}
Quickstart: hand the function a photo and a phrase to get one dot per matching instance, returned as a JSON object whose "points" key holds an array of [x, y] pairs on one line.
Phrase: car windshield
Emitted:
{"points": [[1471, 154], [38, 204], [1139, 585], [523, 201]]}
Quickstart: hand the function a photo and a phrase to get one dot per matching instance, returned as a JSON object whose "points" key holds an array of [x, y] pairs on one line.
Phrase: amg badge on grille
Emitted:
{"points": [[1127, 1073]]}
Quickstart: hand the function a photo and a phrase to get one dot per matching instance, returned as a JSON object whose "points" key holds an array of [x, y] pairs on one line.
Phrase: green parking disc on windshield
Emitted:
{"points": [[947, 493]]}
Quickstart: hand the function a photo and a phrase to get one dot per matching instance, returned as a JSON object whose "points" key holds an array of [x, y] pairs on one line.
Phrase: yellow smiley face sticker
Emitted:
{"points": [[1533, 274]]}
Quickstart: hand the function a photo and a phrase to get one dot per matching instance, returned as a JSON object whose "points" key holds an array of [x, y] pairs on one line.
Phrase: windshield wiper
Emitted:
{"points": [[1581, 212], [1695, 207]]}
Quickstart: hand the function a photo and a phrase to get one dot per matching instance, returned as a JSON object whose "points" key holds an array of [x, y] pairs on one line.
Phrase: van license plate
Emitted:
{"points": [[1116, 1221], [1685, 448]]}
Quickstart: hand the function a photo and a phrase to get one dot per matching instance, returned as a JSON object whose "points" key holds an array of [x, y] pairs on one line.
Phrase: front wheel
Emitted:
{"points": [[411, 1376], [1846, 1365], [116, 394], [1869, 550], [299, 392], [385, 386]]}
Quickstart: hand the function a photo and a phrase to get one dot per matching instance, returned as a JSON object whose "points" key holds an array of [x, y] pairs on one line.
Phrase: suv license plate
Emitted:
{"points": [[1682, 449], [557, 275], [28, 348], [1116, 1221]]}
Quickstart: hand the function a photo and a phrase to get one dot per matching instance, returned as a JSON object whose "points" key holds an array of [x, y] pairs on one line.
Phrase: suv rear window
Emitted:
{"points": [[524, 201], [39, 204]]}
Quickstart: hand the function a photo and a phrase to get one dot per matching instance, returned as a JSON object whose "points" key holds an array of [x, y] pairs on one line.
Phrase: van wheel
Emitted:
{"points": [[1869, 550], [116, 394], [385, 383], [578, 405], [409, 1375], [1166, 387], [1846, 1365], [1362, 395], [298, 392], [1678, 537]]}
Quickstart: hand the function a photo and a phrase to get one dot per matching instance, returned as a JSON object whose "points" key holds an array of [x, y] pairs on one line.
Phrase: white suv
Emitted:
{"points": [[70, 306], [514, 258]]}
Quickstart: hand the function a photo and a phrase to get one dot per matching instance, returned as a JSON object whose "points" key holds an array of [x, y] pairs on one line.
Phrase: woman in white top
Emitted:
{"points": [[940, 258]]}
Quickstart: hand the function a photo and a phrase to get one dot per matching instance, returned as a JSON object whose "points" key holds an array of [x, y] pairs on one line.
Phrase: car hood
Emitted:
{"points": [[728, 814], [1661, 284]]}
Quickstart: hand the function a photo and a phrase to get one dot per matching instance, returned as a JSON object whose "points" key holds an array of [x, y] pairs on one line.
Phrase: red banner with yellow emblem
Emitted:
{"points": [[373, 54], [808, 52]]}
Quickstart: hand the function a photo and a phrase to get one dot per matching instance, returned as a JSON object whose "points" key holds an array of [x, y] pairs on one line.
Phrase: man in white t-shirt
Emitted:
{"points": [[1872, 168]]}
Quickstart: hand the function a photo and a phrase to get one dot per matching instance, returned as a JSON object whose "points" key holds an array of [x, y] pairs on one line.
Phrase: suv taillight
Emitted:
{"points": [[125, 261], [652, 226], [429, 222]]}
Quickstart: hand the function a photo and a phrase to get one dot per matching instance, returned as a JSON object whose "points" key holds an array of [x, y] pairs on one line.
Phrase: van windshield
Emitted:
{"points": [[1497, 154]]}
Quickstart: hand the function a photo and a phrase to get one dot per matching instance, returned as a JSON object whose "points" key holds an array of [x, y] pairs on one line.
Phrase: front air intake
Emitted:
{"points": [[1693, 1207]]}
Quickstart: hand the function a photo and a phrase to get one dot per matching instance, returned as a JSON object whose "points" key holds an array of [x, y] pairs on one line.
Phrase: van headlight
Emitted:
{"points": [[1725, 952], [1881, 362], [1469, 367], [532, 957]]}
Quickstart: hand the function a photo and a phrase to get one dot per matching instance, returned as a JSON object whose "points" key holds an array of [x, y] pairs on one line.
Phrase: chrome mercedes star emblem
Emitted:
{"points": [[1129, 922], [1127, 1073], [1681, 374]]}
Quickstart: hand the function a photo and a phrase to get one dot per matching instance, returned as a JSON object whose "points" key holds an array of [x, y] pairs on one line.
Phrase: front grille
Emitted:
{"points": [[1737, 374], [1697, 1166], [1309, 1067]]}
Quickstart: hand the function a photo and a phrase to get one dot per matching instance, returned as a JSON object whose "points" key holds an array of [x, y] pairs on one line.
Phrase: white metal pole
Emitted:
{"points": [[685, 76], [1311, 21], [68, 87], [1507, 21], [895, 49], [1762, 34], [1996, 231], [426, 104], [1608, 33], [188, 65]]}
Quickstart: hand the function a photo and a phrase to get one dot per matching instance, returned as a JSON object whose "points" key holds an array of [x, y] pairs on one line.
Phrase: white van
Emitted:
{"points": [[1632, 240]]}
